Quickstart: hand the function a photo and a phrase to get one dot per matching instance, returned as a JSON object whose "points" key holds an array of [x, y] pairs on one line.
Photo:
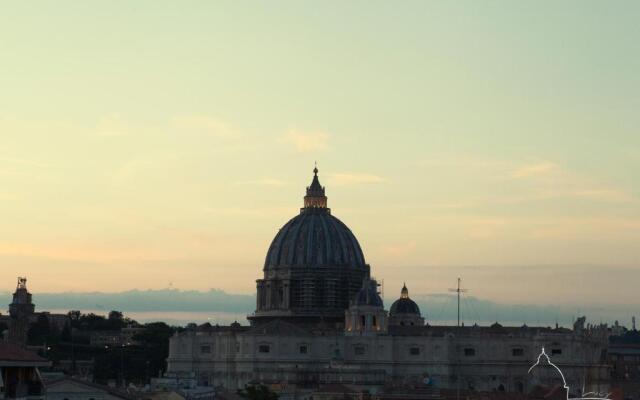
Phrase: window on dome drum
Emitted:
{"points": [[469, 352], [414, 351], [556, 352], [517, 352], [359, 350], [303, 349], [264, 348], [205, 349]]}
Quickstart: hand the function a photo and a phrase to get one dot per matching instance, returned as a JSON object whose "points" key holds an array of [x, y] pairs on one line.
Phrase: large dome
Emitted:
{"points": [[314, 266], [315, 238]]}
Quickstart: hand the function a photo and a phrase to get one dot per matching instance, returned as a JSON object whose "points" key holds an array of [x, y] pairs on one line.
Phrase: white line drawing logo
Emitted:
{"points": [[564, 381]]}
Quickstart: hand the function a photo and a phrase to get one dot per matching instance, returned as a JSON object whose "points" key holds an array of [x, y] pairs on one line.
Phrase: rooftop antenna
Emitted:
{"points": [[459, 290]]}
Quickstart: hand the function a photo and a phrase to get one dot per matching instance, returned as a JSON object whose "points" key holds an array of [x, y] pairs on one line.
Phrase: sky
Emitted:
{"points": [[159, 144]]}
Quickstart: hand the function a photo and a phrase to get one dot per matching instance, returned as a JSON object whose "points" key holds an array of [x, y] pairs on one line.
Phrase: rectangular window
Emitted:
{"points": [[469, 352], [304, 349], [205, 349], [414, 351], [556, 352], [264, 348], [359, 350], [517, 352]]}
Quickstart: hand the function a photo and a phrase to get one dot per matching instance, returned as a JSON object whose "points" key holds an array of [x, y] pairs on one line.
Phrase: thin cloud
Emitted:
{"points": [[537, 169], [246, 212], [533, 181], [113, 125], [305, 142], [203, 124], [24, 162], [400, 249], [264, 182], [347, 178], [592, 193]]}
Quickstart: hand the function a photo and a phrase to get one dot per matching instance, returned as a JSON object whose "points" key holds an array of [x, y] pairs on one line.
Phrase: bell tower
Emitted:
{"points": [[21, 310]]}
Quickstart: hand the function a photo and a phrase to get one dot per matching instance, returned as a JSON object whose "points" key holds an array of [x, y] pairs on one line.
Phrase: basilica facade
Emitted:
{"points": [[320, 320]]}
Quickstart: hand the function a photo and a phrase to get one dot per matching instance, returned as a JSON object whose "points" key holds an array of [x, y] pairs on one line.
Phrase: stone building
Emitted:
{"points": [[20, 374], [320, 321]]}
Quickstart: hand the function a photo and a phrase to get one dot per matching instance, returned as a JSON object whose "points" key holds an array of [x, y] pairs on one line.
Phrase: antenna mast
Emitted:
{"points": [[459, 290]]}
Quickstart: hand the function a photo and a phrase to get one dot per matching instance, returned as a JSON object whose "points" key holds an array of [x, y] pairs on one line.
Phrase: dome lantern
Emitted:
{"points": [[315, 197], [404, 293]]}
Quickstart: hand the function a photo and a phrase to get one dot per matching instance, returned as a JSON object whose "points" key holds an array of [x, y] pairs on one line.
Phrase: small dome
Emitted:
{"points": [[404, 305], [368, 295]]}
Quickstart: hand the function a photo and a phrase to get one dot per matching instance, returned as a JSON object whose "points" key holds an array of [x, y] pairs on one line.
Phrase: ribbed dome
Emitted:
{"points": [[404, 305], [368, 295], [314, 266], [315, 238]]}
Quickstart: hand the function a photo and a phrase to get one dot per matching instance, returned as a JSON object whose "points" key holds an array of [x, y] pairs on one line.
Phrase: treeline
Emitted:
{"points": [[69, 348]]}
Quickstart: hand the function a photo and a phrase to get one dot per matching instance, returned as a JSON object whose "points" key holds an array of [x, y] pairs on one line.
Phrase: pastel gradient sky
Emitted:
{"points": [[153, 143]]}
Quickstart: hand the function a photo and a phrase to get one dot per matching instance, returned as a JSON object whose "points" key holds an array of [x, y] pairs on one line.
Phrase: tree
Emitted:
{"points": [[155, 342], [65, 335], [115, 316], [74, 315], [258, 392], [74, 318], [3, 327], [40, 331]]}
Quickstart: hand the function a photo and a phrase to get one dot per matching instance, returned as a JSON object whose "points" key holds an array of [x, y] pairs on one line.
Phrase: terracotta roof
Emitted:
{"points": [[13, 352], [112, 391]]}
